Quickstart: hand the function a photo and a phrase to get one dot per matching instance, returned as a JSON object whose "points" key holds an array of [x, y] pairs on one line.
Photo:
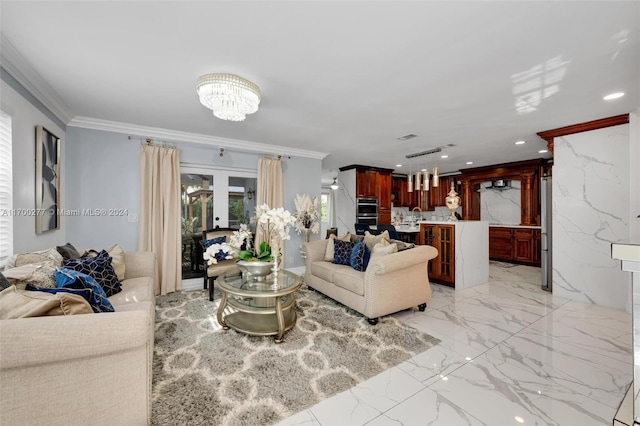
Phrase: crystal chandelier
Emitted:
{"points": [[229, 96]]}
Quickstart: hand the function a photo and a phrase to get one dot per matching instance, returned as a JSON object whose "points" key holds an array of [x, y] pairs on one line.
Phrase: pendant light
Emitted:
{"points": [[425, 181], [409, 182], [436, 177], [334, 184], [418, 180]]}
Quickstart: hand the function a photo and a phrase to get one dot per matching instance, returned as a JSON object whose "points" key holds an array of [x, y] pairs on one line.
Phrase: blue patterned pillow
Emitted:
{"points": [[217, 240], [99, 268], [342, 252], [70, 279], [357, 256]]}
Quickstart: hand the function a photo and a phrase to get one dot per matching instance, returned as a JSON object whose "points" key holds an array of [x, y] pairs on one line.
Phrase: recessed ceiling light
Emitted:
{"points": [[423, 170], [542, 151], [444, 156], [521, 142], [398, 165], [469, 162], [612, 96]]}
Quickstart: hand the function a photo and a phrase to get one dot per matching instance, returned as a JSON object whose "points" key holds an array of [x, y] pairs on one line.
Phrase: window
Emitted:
{"points": [[6, 189], [324, 207]]}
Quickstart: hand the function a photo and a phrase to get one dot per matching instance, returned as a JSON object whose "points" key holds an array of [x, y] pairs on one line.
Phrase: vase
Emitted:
{"points": [[307, 238], [254, 269]]}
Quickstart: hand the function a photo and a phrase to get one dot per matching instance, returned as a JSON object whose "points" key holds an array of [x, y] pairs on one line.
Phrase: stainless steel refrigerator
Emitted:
{"points": [[546, 264]]}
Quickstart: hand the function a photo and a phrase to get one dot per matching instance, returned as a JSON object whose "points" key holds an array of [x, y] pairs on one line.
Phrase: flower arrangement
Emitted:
{"points": [[307, 214], [274, 223], [216, 252]]}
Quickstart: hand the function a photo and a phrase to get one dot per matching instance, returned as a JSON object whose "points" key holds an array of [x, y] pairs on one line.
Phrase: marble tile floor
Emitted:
{"points": [[511, 354]]}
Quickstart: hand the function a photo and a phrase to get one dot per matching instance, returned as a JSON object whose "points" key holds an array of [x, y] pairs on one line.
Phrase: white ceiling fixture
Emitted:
{"points": [[542, 151], [469, 162], [231, 97], [613, 96], [444, 156], [334, 184], [520, 142]]}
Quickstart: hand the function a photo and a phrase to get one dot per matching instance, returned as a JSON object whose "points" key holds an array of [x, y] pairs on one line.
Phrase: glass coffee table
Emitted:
{"points": [[259, 308]]}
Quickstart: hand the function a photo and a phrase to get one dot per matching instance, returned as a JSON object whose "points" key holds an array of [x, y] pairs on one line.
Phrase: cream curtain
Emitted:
{"points": [[160, 214], [270, 186]]}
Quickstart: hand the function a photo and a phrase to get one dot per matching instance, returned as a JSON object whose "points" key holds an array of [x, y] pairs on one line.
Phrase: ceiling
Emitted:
{"points": [[344, 78]]}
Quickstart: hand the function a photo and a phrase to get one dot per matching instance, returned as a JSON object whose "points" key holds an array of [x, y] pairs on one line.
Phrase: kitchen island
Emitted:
{"points": [[463, 251]]}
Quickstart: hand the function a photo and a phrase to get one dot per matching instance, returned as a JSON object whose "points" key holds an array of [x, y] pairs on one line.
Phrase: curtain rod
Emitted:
{"points": [[222, 150]]}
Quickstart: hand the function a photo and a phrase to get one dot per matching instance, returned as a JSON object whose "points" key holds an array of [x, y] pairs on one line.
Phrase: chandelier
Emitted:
{"points": [[229, 96]]}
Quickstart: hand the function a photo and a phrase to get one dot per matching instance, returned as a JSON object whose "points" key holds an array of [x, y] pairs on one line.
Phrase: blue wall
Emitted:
{"points": [[103, 172]]}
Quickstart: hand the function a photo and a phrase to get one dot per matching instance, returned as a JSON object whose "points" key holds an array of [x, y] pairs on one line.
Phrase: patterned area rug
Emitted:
{"points": [[203, 375]]}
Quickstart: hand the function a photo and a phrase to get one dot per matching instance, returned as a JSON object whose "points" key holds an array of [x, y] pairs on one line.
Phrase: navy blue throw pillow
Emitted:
{"points": [[217, 240], [342, 252], [99, 268], [357, 256], [70, 279]]}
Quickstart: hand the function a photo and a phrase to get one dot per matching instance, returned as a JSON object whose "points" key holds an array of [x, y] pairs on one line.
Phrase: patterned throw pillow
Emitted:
{"points": [[39, 274], [328, 254], [342, 252], [100, 269], [371, 240], [39, 256], [217, 240], [68, 278], [357, 256]]}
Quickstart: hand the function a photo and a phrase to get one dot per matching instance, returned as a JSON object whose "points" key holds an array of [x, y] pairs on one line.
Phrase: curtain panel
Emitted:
{"points": [[159, 230], [270, 188]]}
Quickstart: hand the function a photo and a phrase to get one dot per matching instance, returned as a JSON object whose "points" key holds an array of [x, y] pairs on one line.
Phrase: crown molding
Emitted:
{"points": [[192, 138], [14, 63]]}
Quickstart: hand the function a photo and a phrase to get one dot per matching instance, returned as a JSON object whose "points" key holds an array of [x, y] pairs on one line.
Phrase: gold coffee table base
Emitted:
{"points": [[256, 307]]}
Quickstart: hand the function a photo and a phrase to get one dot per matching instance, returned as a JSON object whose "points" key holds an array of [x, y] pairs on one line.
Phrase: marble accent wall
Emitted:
{"points": [[346, 202], [590, 211], [501, 207]]}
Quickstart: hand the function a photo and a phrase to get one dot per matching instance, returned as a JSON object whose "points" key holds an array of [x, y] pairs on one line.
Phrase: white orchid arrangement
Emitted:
{"points": [[274, 222], [307, 214], [216, 252]]}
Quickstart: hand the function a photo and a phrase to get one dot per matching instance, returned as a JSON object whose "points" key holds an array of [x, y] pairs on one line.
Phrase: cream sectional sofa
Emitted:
{"points": [[92, 369], [390, 283]]}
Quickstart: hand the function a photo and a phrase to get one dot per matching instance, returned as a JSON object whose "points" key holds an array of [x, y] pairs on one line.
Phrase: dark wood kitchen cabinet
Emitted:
{"points": [[441, 269], [374, 182], [515, 245], [366, 183]]}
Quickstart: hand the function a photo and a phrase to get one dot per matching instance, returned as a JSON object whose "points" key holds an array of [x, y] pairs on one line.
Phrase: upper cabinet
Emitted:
{"points": [[374, 182]]}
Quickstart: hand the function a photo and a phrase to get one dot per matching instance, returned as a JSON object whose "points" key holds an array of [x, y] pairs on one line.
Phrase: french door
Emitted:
{"points": [[211, 197]]}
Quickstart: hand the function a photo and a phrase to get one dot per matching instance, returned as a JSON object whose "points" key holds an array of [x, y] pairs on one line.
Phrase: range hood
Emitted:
{"points": [[500, 184]]}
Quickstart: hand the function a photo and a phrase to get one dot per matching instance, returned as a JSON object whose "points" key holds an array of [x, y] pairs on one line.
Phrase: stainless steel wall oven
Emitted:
{"points": [[367, 211]]}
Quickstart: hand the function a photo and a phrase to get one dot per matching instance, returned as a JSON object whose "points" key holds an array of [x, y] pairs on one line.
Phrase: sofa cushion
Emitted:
{"points": [[328, 254], [68, 278], [99, 268], [134, 290], [342, 252], [24, 304], [68, 251], [371, 240], [349, 279], [323, 270]]}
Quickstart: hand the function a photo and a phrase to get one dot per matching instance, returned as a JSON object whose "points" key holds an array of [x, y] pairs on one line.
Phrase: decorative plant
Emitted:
{"points": [[307, 214], [274, 225]]}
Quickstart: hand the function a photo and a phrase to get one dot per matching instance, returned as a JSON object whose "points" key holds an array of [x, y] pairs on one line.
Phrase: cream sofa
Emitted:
{"points": [[92, 369], [390, 283]]}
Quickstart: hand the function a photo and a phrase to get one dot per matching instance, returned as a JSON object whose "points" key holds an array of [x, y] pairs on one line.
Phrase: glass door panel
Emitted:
{"points": [[210, 198], [197, 215]]}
